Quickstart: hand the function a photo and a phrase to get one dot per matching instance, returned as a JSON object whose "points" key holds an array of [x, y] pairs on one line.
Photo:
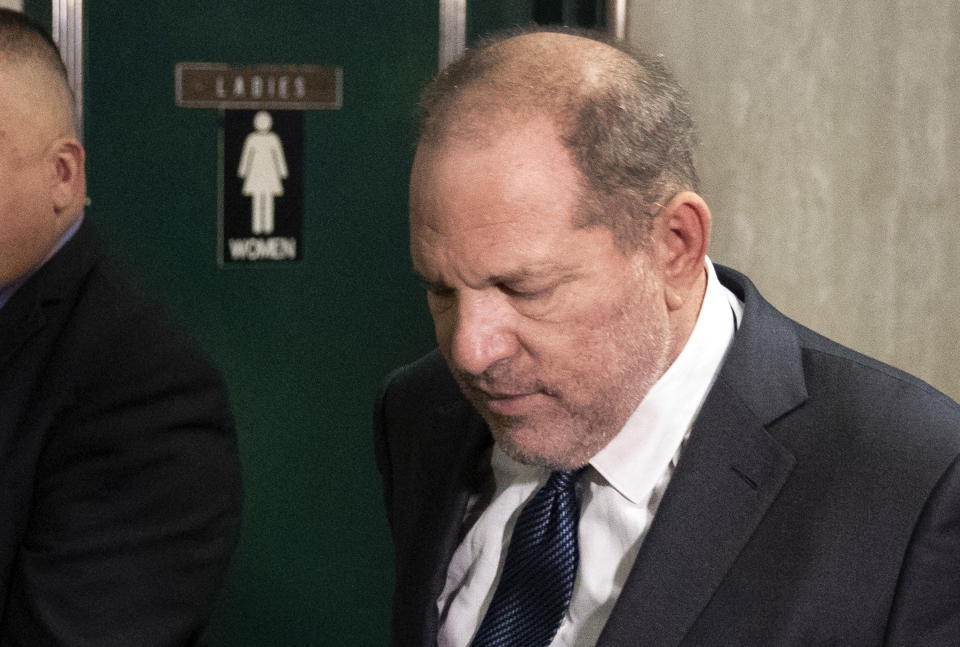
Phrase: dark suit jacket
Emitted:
{"points": [[119, 478], [817, 501]]}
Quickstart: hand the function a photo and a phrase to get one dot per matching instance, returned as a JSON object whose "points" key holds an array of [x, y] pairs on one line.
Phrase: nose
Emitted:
{"points": [[481, 332]]}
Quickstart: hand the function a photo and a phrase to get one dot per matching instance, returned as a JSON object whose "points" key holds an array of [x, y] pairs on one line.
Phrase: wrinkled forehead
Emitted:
{"points": [[508, 146], [522, 174]]}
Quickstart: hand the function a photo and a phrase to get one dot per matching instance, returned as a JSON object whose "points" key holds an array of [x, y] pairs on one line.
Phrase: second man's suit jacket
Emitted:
{"points": [[119, 476], [817, 501]]}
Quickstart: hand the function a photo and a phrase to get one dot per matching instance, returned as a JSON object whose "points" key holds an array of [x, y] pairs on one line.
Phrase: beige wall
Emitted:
{"points": [[830, 156], [12, 4]]}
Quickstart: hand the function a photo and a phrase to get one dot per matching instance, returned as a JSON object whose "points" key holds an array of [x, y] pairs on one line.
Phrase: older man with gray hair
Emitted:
{"points": [[619, 442]]}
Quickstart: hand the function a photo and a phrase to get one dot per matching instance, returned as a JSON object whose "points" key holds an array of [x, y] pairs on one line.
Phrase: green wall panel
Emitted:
{"points": [[303, 346], [39, 10]]}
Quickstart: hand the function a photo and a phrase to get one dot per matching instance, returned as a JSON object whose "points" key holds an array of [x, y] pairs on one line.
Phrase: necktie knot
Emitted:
{"points": [[563, 480]]}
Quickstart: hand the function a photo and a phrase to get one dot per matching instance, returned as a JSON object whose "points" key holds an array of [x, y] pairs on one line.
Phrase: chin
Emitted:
{"points": [[531, 446]]}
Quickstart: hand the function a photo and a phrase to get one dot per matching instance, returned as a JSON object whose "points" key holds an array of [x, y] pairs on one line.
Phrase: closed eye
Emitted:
{"points": [[439, 291], [526, 294], [435, 289]]}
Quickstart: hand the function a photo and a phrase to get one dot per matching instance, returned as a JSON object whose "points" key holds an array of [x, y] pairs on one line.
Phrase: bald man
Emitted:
{"points": [[121, 498], [618, 442]]}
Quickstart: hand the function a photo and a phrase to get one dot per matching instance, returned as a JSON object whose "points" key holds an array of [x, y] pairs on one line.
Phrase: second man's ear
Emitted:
{"points": [[70, 185]]}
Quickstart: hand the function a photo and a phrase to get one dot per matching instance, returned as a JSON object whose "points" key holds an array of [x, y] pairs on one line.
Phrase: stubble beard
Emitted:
{"points": [[582, 410]]}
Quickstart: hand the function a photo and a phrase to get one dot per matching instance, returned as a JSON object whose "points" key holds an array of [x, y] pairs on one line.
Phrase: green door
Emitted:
{"points": [[303, 345]]}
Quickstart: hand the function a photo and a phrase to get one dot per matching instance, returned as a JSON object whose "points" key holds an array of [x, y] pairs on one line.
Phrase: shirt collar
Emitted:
{"points": [[6, 291], [636, 458]]}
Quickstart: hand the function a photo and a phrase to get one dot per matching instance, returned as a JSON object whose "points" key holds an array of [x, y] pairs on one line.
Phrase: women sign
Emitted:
{"points": [[261, 170], [262, 186]]}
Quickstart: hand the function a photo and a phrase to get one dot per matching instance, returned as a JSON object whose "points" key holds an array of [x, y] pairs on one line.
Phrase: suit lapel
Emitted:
{"points": [[730, 472], [20, 318], [24, 314], [462, 441]]}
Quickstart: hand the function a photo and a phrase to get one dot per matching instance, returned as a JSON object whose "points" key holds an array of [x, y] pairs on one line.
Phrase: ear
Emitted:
{"points": [[70, 181], [683, 229]]}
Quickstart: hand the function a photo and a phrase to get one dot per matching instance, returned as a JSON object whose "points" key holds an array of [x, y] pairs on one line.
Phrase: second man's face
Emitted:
{"points": [[553, 333], [29, 223]]}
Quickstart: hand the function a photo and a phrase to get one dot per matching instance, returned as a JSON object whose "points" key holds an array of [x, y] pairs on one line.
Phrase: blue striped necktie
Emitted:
{"points": [[537, 581]]}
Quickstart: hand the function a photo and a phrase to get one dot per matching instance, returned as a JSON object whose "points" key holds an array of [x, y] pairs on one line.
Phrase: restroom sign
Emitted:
{"points": [[261, 149], [266, 87], [262, 186]]}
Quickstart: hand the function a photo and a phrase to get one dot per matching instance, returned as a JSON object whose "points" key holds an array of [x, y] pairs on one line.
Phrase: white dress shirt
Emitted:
{"points": [[619, 493]]}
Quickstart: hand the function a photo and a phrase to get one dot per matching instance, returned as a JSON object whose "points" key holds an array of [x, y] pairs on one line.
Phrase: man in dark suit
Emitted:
{"points": [[739, 480], [120, 498]]}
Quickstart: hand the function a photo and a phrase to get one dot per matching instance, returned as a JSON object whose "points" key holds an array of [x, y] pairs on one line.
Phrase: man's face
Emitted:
{"points": [[29, 224], [552, 333]]}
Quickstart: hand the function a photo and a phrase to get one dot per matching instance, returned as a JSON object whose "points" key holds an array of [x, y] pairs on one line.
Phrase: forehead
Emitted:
{"points": [[523, 175], [498, 209]]}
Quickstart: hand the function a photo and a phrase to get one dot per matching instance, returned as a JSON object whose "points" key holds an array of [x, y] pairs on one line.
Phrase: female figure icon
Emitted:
{"points": [[263, 169]]}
